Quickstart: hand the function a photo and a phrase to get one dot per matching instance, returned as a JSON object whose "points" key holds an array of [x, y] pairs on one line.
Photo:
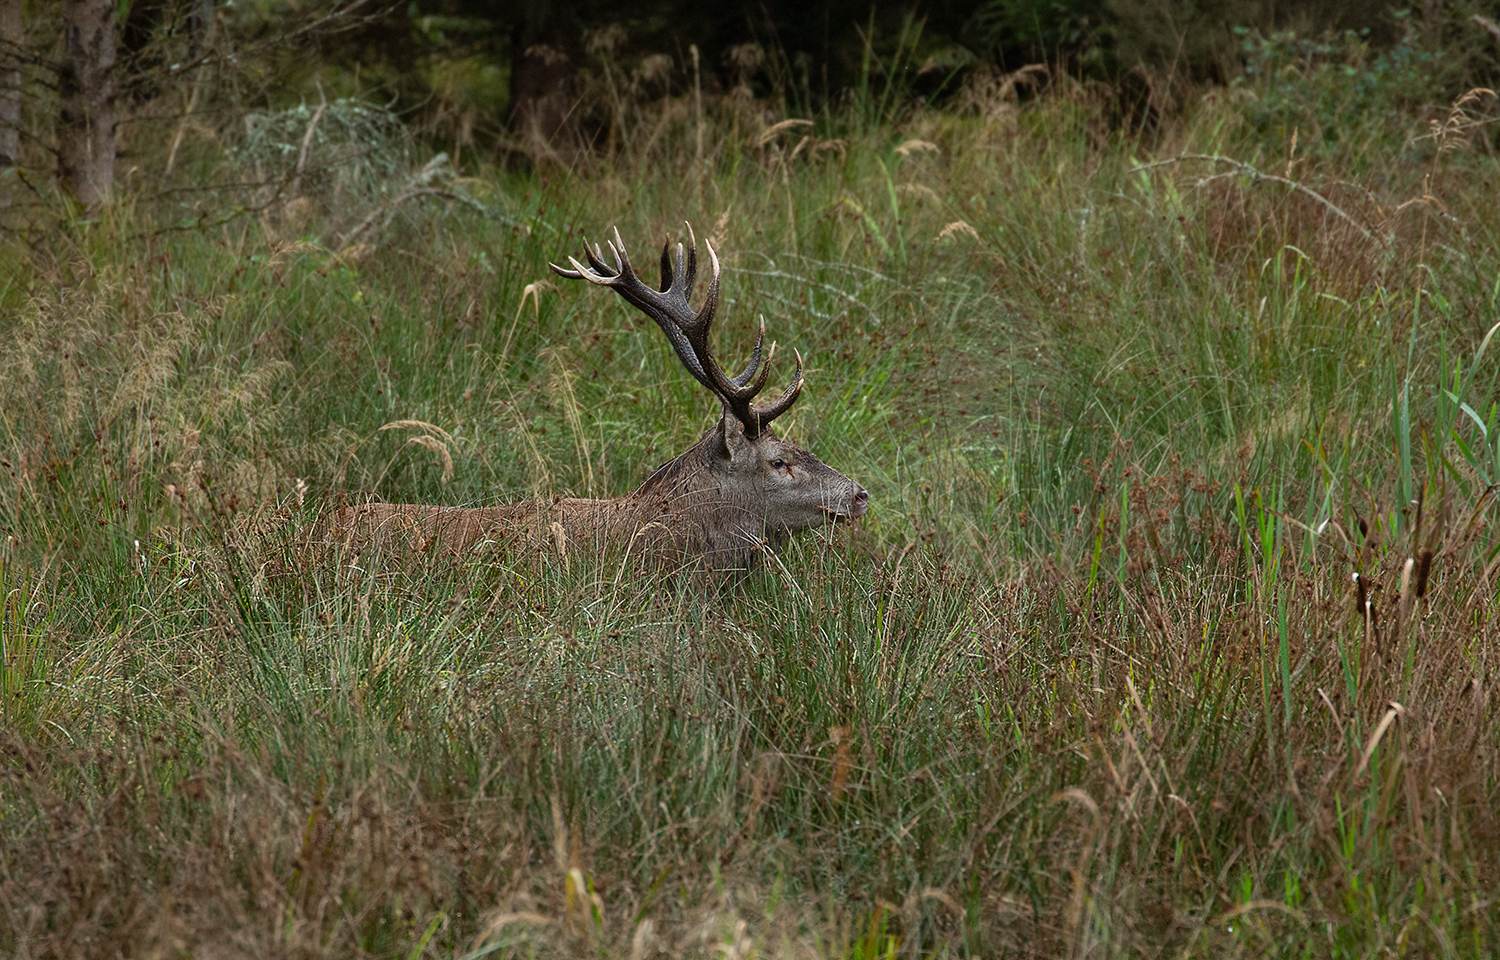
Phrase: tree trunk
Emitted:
{"points": [[12, 35], [86, 86], [541, 75]]}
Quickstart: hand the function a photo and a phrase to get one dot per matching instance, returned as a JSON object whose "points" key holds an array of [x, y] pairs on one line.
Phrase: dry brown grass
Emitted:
{"points": [[1094, 677]]}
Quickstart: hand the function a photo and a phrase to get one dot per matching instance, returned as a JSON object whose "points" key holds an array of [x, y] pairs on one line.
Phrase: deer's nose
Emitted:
{"points": [[861, 501]]}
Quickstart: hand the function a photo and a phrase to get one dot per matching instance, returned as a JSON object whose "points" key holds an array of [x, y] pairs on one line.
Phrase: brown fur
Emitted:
{"points": [[707, 503]]}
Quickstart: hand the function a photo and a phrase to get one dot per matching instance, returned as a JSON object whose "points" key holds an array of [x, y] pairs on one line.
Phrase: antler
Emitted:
{"points": [[686, 329]]}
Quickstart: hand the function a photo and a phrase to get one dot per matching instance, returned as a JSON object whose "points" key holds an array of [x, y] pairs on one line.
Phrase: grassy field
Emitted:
{"points": [[1169, 631]]}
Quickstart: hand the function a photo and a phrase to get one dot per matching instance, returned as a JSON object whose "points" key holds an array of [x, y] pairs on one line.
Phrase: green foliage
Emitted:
{"points": [[1333, 89], [360, 146], [1042, 30], [1094, 676]]}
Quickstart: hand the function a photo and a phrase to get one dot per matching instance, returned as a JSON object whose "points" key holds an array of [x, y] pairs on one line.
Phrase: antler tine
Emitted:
{"points": [[711, 300], [678, 280], [736, 395], [749, 388], [596, 272], [764, 415], [667, 277], [749, 371], [692, 263], [579, 271], [596, 259]]}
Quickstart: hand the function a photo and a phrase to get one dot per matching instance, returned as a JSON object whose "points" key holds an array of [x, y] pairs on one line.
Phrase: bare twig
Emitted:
{"points": [[182, 127], [389, 209], [1257, 175], [340, 19], [207, 220], [312, 127]]}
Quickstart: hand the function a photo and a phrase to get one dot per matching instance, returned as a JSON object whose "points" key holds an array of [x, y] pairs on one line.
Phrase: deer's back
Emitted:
{"points": [[420, 527], [561, 525]]}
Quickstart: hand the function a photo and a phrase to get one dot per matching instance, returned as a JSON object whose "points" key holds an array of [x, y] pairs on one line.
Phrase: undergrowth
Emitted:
{"points": [[1169, 631]]}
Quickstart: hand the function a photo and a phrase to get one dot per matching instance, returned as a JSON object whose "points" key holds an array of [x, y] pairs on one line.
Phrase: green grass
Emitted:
{"points": [[1091, 678]]}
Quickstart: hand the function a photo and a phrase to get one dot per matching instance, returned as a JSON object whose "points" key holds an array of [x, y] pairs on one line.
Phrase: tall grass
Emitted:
{"points": [[1169, 630]]}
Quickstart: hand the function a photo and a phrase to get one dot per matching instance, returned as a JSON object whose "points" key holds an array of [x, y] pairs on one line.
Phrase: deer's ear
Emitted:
{"points": [[731, 434], [721, 435]]}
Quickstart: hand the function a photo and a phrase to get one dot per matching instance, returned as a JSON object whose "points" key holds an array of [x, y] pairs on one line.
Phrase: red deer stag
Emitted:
{"points": [[738, 490]]}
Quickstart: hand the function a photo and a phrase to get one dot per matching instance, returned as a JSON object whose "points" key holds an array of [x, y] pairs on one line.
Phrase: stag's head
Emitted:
{"points": [[756, 473]]}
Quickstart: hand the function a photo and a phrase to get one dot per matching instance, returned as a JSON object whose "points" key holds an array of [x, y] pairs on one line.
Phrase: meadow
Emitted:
{"points": [[1168, 632]]}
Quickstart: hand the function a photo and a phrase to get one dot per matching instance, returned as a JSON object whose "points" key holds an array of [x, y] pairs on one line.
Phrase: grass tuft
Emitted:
{"points": [[1169, 630]]}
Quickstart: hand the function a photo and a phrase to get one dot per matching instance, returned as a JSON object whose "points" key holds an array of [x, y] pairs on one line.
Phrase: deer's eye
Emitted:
{"points": [[778, 464]]}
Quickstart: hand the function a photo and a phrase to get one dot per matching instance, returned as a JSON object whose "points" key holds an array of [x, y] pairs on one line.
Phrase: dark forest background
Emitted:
{"points": [[498, 71], [517, 82]]}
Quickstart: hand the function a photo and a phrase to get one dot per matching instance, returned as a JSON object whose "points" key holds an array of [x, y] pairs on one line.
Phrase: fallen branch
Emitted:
{"points": [[307, 139], [388, 210], [1255, 174]]}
